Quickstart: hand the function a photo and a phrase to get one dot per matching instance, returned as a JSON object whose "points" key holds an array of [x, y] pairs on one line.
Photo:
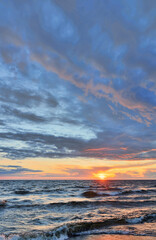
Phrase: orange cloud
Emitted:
{"points": [[104, 149]]}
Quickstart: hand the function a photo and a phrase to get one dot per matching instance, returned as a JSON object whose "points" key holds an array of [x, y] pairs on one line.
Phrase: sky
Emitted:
{"points": [[77, 89]]}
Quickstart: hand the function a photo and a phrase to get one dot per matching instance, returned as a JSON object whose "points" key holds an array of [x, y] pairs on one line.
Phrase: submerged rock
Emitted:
{"points": [[90, 194], [3, 203]]}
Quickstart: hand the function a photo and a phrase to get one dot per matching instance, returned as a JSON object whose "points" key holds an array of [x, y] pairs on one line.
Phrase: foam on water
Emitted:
{"points": [[57, 210]]}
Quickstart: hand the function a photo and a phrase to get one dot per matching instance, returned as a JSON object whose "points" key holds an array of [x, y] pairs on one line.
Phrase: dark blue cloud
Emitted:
{"points": [[77, 75], [15, 170]]}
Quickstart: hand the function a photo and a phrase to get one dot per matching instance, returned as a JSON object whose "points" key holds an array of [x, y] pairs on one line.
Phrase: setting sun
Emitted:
{"points": [[102, 176]]}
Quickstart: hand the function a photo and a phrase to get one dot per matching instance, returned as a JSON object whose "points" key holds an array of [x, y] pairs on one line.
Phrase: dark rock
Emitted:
{"points": [[90, 194]]}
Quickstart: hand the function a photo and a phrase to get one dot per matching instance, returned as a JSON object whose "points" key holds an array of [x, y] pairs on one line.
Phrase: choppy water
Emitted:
{"points": [[63, 209]]}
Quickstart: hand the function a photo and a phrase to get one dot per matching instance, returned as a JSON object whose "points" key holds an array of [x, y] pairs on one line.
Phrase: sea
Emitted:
{"points": [[64, 209]]}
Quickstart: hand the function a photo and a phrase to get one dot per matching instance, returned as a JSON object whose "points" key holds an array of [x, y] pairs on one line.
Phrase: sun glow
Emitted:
{"points": [[102, 176]]}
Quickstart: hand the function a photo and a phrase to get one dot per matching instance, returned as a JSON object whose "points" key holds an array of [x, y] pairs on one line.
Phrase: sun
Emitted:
{"points": [[102, 176]]}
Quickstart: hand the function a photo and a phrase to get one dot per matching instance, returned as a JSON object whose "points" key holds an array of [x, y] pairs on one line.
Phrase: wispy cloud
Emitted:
{"points": [[15, 170], [78, 79]]}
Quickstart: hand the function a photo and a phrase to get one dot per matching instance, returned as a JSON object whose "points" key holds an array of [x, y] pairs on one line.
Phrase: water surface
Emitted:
{"points": [[65, 209]]}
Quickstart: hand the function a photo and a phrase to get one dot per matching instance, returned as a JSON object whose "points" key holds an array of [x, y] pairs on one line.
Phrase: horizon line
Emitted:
{"points": [[102, 180]]}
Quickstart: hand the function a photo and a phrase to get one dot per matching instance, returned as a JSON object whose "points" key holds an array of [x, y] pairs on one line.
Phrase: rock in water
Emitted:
{"points": [[3, 203], [90, 194]]}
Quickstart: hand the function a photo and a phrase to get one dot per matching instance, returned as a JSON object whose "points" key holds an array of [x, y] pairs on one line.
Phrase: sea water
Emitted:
{"points": [[62, 209]]}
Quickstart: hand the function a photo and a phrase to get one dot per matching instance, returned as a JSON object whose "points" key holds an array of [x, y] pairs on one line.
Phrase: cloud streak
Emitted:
{"points": [[15, 170], [77, 80]]}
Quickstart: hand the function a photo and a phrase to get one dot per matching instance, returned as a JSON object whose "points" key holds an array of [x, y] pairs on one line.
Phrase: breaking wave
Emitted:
{"points": [[82, 228], [114, 192]]}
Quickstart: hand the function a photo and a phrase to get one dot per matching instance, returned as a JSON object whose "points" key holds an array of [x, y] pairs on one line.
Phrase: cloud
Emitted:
{"points": [[23, 115], [78, 79], [2, 122], [51, 146], [15, 170], [84, 173], [25, 97], [150, 174], [119, 170]]}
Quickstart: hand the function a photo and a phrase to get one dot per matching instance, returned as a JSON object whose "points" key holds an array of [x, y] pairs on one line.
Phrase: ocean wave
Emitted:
{"points": [[113, 192], [138, 191], [91, 192], [83, 204], [82, 228], [106, 188], [101, 203], [41, 191], [22, 192]]}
